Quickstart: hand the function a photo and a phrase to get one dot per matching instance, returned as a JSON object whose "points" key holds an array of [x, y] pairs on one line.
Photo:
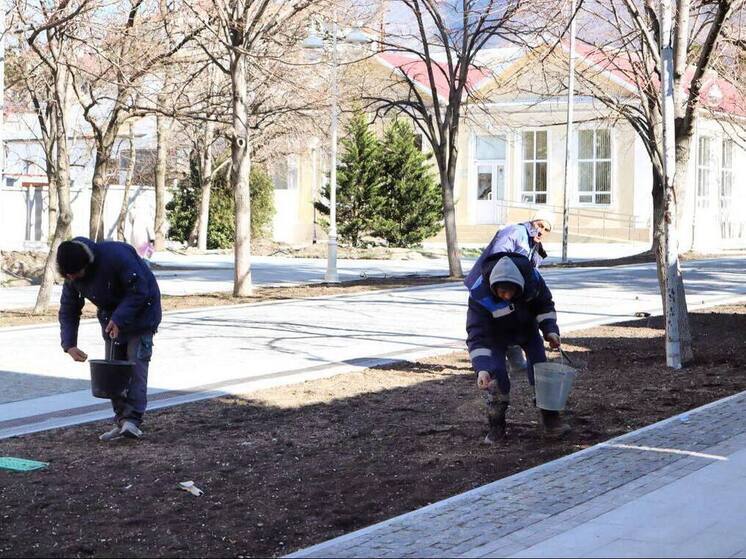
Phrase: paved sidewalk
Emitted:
{"points": [[194, 274], [180, 274], [674, 489]]}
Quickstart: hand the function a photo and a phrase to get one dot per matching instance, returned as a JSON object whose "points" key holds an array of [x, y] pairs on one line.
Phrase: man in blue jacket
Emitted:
{"points": [[521, 238], [114, 278], [509, 304]]}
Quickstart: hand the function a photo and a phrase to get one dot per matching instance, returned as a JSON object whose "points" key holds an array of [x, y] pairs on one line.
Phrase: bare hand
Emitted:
{"points": [[77, 354], [484, 380], [554, 340], [112, 329]]}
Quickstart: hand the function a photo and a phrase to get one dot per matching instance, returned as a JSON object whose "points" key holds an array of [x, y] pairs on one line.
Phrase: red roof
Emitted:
{"points": [[416, 70], [717, 93]]}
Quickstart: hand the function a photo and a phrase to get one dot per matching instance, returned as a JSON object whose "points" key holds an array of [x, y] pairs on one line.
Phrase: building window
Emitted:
{"points": [[534, 167], [484, 182], [490, 148], [285, 173], [726, 174], [704, 171], [594, 167], [144, 171]]}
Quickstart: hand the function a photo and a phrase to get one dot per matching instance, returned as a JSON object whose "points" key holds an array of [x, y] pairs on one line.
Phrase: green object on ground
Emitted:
{"points": [[20, 464]]}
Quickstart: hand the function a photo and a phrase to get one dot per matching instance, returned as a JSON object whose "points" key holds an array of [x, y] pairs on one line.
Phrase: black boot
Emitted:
{"points": [[496, 419], [552, 424]]}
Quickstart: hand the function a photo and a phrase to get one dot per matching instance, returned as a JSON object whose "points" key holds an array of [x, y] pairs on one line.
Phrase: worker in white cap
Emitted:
{"points": [[521, 238]]}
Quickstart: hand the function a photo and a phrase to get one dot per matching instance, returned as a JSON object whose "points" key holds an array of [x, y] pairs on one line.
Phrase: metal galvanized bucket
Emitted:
{"points": [[553, 382]]}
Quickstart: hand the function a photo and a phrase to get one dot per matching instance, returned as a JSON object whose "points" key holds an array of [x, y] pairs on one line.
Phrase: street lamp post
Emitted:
{"points": [[568, 137], [315, 42]]}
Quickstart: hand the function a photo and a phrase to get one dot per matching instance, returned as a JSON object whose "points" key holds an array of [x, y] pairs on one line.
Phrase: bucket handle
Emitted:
{"points": [[110, 356], [563, 354]]}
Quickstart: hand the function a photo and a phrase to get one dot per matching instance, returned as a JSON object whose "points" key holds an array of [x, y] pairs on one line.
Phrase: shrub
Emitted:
{"points": [[182, 210]]}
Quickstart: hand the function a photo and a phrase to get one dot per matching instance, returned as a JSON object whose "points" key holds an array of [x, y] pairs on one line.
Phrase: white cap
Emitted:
{"points": [[544, 215]]}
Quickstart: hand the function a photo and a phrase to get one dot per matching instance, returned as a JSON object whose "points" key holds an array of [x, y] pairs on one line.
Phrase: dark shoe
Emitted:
{"points": [[496, 418], [552, 424]]}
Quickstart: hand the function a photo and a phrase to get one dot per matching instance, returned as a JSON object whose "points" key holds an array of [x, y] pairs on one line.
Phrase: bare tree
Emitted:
{"points": [[34, 87], [117, 62], [203, 149], [163, 133], [48, 29], [128, 179], [622, 38], [438, 70], [240, 36]]}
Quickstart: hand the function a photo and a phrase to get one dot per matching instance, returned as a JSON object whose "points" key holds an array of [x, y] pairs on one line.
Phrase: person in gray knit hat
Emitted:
{"points": [[522, 238], [509, 305]]}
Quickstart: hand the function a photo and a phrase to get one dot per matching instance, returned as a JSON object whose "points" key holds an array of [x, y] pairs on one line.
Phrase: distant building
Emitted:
{"points": [[512, 160], [24, 193]]}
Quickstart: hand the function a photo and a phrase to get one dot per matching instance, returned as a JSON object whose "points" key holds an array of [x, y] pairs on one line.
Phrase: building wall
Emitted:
{"points": [[23, 189], [626, 217], [16, 219], [713, 221]]}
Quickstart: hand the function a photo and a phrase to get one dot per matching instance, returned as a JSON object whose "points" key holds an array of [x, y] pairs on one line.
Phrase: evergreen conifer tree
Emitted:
{"points": [[410, 206], [358, 181]]}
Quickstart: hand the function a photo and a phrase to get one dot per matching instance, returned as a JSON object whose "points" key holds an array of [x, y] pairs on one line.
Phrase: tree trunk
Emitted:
{"points": [[198, 236], [161, 225], [53, 204], [659, 242], [129, 177], [447, 180], [241, 160], [678, 339], [681, 181], [98, 196], [62, 228]]}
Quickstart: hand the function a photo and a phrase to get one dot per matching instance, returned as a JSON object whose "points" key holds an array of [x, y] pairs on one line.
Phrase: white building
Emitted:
{"points": [[24, 192]]}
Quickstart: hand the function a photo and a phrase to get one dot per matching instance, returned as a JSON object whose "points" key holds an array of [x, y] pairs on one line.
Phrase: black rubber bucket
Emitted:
{"points": [[110, 379]]}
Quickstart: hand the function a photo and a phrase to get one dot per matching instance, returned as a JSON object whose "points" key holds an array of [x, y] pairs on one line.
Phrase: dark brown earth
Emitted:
{"points": [[288, 467]]}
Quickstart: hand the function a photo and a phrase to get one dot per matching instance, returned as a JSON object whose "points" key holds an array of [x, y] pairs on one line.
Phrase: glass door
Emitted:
{"points": [[490, 192]]}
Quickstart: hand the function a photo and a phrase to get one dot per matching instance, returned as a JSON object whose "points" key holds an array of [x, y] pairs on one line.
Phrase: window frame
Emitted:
{"points": [[726, 173], [493, 164], [704, 173], [594, 193], [288, 172], [534, 161]]}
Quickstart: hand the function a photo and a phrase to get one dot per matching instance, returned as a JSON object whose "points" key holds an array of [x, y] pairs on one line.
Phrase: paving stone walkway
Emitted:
{"points": [[665, 490]]}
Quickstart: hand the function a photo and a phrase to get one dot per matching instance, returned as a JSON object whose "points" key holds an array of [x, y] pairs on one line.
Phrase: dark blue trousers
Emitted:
{"points": [[532, 343], [137, 348]]}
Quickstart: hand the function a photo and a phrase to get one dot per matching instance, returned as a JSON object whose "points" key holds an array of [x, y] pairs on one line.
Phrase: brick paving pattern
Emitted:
{"points": [[533, 506]]}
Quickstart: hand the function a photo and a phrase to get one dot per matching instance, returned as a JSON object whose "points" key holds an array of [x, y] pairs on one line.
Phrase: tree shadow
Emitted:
{"points": [[288, 467], [17, 386]]}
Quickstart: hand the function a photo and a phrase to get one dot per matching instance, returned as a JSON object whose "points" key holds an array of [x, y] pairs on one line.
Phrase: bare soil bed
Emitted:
{"points": [[288, 467]]}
